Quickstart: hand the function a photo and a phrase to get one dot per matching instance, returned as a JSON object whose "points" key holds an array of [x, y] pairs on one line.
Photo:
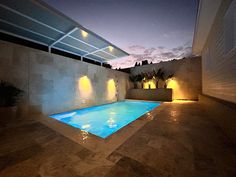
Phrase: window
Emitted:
{"points": [[230, 28]]}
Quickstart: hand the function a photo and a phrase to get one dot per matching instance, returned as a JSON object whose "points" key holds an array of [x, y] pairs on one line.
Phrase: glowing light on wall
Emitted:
{"points": [[174, 84], [111, 89], [150, 84], [84, 33], [110, 48], [85, 87]]}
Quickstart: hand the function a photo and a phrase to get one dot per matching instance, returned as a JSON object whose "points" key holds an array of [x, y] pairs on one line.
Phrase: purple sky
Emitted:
{"points": [[157, 30]]}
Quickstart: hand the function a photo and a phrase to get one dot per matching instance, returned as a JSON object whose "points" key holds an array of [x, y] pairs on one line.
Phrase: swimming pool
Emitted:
{"points": [[106, 119]]}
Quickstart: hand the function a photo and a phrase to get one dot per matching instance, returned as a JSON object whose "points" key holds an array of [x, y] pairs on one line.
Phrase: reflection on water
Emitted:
{"points": [[111, 123], [105, 120], [65, 115], [86, 126]]}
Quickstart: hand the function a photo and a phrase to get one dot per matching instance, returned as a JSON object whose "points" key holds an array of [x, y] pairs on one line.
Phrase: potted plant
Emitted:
{"points": [[136, 79], [133, 79], [146, 77], [9, 97], [158, 75], [140, 80]]}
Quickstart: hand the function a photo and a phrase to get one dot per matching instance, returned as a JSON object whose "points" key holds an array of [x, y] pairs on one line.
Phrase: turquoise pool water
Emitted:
{"points": [[106, 119]]}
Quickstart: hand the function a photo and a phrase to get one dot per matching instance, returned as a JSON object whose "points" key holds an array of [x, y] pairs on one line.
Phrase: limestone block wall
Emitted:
{"points": [[219, 66], [187, 81], [160, 94], [222, 112], [54, 83]]}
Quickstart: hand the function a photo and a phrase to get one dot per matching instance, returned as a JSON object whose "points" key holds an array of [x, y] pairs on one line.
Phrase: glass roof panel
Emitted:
{"points": [[37, 21], [70, 49], [25, 34]]}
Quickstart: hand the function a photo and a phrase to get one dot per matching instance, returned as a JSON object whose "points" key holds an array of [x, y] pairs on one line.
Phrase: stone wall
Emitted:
{"points": [[54, 83], [218, 66], [187, 81], [222, 112], [160, 94]]}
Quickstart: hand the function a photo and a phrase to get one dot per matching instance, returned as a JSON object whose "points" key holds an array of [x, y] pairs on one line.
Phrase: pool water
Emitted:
{"points": [[106, 119]]}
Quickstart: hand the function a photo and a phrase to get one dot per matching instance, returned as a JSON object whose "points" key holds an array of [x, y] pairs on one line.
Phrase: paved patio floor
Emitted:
{"points": [[180, 141]]}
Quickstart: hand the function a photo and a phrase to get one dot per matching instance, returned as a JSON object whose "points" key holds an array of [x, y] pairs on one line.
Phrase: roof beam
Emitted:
{"points": [[98, 50], [61, 38], [58, 48], [91, 45], [82, 50]]}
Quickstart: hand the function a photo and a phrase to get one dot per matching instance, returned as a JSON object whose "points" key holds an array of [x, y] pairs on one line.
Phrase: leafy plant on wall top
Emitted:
{"points": [[136, 79], [9, 94], [158, 75]]}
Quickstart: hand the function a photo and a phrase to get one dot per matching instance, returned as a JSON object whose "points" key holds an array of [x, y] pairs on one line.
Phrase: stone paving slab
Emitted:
{"points": [[179, 141]]}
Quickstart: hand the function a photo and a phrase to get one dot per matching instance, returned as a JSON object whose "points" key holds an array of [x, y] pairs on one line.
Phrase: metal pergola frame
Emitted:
{"points": [[58, 40]]}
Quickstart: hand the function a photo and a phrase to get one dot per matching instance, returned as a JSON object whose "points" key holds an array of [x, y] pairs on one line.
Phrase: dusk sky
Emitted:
{"points": [[156, 30]]}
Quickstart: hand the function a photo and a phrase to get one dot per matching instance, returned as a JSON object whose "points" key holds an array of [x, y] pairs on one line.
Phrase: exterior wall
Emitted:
{"points": [[218, 67], [187, 81], [222, 113], [160, 94], [54, 83]]}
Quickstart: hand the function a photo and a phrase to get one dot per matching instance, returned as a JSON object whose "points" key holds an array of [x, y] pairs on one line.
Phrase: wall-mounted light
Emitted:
{"points": [[110, 48], [84, 33], [85, 87]]}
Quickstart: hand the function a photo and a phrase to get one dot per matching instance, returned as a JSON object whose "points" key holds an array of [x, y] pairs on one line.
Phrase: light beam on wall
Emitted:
{"points": [[85, 87], [174, 85], [111, 89]]}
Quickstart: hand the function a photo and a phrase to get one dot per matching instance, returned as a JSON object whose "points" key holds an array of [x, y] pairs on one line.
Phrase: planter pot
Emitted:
{"points": [[135, 85], [140, 85], [7, 114]]}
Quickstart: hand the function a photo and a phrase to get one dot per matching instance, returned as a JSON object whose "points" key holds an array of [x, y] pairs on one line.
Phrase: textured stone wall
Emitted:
{"points": [[218, 66], [187, 81], [222, 112], [160, 94], [54, 83]]}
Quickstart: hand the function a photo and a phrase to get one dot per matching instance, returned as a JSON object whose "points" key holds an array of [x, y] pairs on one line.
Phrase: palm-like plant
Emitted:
{"points": [[9, 94], [158, 75], [166, 78], [135, 79]]}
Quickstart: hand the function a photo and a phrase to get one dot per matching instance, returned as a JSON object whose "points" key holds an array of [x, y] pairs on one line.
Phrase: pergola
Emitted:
{"points": [[35, 21]]}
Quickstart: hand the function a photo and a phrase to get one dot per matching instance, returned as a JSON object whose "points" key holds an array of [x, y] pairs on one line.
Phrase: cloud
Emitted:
{"points": [[180, 48], [136, 47], [161, 47], [168, 55], [139, 53], [149, 51]]}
